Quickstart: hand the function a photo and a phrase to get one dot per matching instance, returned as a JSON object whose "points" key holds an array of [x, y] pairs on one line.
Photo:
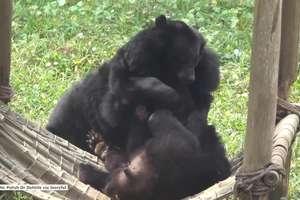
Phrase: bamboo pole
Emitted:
{"points": [[287, 72], [263, 89], [5, 48]]}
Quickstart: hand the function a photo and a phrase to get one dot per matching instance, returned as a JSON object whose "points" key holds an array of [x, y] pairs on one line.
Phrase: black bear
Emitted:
{"points": [[173, 164], [164, 66]]}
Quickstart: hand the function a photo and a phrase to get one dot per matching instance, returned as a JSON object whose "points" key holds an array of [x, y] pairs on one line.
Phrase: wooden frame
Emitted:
{"points": [[288, 63], [274, 54], [263, 88]]}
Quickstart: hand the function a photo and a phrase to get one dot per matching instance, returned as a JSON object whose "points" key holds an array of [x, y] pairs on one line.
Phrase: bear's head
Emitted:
{"points": [[169, 50]]}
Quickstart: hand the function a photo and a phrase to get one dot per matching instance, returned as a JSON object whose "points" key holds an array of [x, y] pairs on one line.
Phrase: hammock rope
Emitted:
{"points": [[255, 183]]}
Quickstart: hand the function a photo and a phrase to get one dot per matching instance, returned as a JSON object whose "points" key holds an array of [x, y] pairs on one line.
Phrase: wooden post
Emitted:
{"points": [[5, 48], [287, 71], [263, 89], [289, 46]]}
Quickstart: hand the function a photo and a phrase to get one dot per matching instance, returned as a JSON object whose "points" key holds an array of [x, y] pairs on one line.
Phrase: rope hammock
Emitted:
{"points": [[30, 154]]}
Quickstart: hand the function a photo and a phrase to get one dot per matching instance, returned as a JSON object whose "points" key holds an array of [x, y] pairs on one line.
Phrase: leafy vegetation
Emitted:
{"points": [[56, 42]]}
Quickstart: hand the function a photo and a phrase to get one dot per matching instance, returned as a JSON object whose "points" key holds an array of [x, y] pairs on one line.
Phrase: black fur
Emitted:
{"points": [[173, 164], [148, 71]]}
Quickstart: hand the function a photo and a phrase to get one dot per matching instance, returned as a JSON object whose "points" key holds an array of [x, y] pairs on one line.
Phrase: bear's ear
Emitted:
{"points": [[161, 20]]}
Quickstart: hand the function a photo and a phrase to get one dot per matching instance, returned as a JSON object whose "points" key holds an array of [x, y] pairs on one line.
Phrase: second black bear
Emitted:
{"points": [[173, 164]]}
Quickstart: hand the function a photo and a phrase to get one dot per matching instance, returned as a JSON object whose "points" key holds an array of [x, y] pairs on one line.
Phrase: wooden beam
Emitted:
{"points": [[287, 71], [5, 48], [263, 89]]}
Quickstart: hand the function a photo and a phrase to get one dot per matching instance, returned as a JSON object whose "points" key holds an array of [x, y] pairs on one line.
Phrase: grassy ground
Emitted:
{"points": [[56, 42]]}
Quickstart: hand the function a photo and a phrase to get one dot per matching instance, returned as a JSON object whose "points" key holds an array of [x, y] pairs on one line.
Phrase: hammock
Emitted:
{"points": [[30, 154]]}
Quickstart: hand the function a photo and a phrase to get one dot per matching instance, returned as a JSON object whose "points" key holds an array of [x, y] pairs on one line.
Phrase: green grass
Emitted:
{"points": [[55, 42]]}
